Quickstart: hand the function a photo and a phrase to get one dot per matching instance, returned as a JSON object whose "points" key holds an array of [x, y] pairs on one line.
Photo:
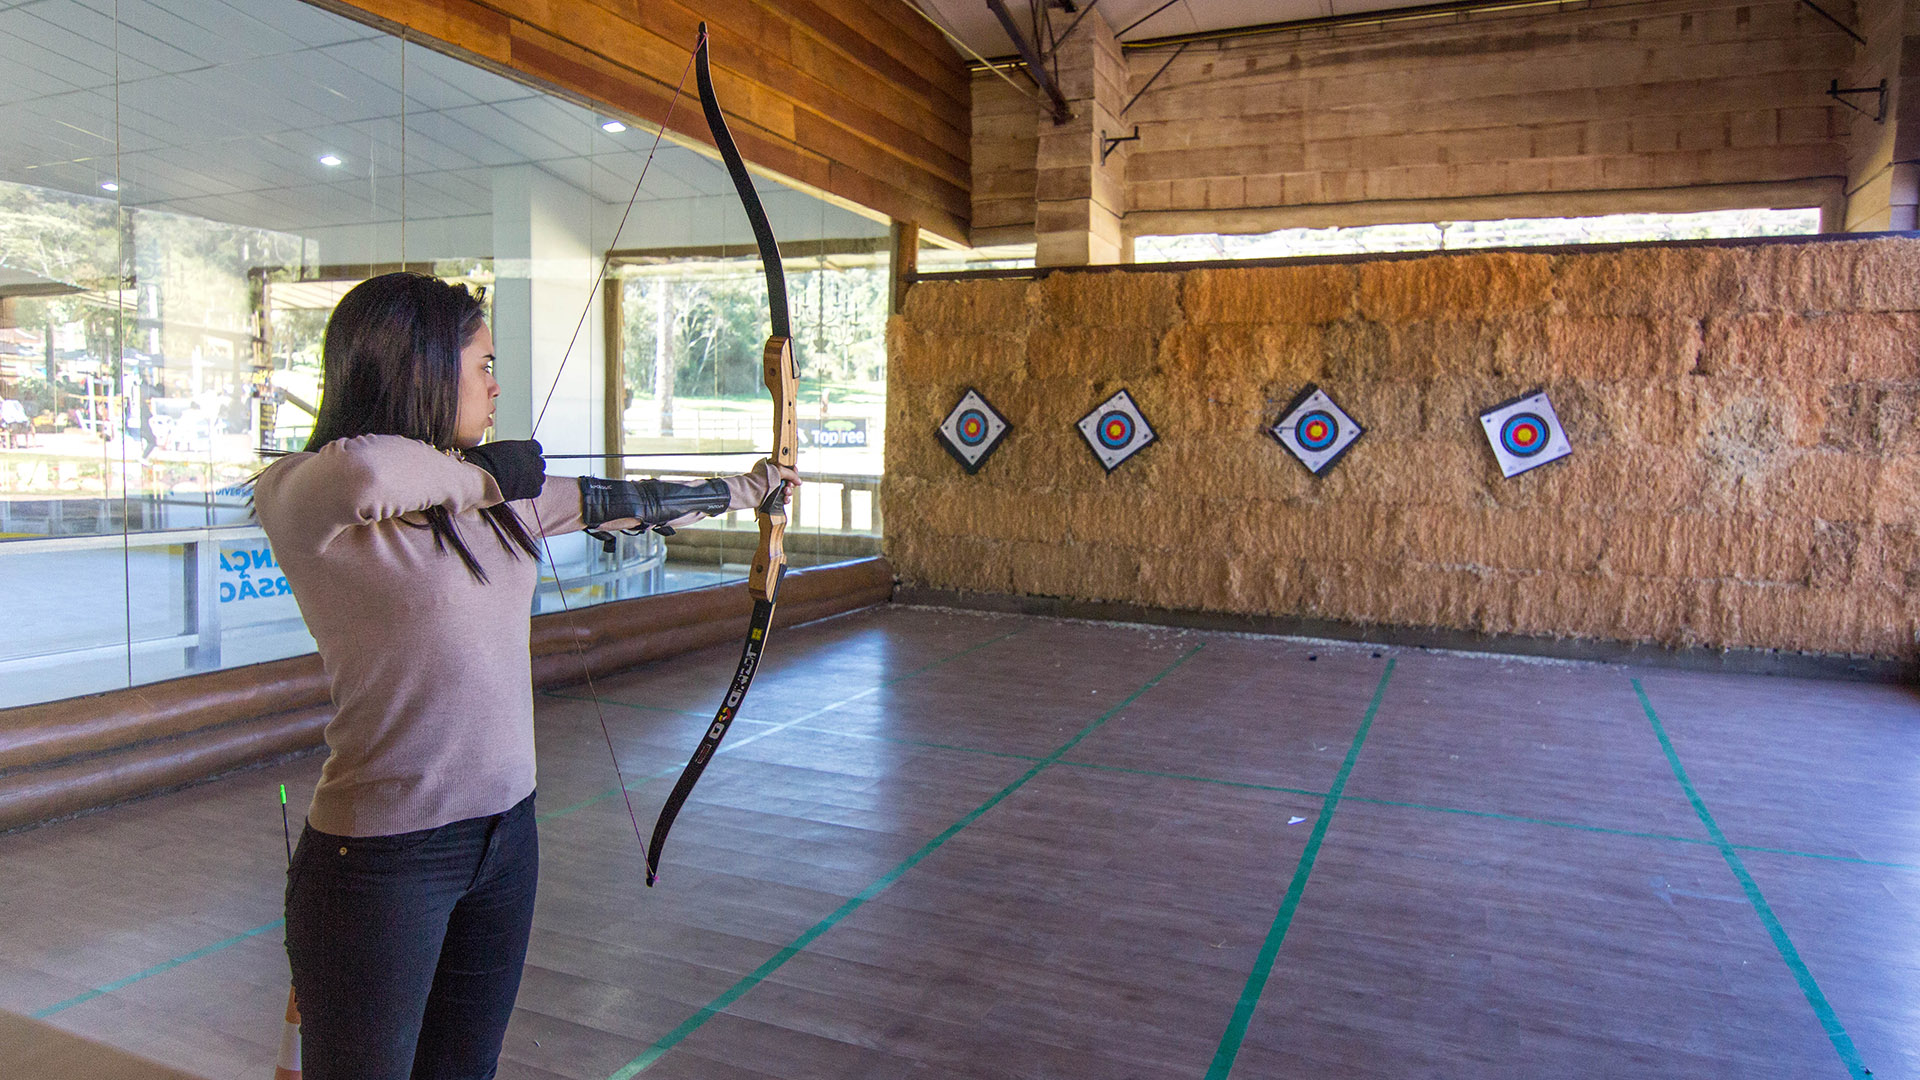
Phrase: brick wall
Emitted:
{"points": [[1745, 469], [1669, 105]]}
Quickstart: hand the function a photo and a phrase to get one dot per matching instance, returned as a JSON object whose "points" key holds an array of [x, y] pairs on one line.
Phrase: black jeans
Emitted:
{"points": [[406, 950]]}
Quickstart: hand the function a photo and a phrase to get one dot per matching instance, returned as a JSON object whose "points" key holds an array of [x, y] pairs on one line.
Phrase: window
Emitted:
{"points": [[1453, 235]]}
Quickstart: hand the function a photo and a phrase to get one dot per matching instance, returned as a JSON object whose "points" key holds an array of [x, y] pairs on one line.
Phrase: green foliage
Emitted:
{"points": [[717, 325]]}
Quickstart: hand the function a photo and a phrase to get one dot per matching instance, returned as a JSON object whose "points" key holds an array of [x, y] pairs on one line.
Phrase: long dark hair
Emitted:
{"points": [[392, 357]]}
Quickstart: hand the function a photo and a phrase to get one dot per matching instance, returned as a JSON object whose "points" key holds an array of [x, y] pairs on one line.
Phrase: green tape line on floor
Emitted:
{"points": [[773, 963], [1229, 1048], [1829, 1020]]}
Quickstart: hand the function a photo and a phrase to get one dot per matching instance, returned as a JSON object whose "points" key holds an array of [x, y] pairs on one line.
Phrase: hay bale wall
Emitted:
{"points": [[1746, 465]]}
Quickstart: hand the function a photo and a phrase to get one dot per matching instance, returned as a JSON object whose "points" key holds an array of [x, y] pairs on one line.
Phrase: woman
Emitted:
{"points": [[409, 546]]}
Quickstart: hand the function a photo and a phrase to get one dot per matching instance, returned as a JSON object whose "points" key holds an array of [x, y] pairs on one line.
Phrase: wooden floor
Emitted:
{"points": [[948, 844]]}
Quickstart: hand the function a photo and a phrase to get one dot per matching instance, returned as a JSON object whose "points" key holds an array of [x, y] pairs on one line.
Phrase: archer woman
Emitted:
{"points": [[409, 546]]}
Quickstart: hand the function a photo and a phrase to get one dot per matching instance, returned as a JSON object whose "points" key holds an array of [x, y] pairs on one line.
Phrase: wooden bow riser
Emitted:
{"points": [[783, 382]]}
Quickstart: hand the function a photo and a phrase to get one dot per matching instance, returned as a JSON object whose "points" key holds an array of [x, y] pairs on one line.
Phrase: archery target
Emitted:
{"points": [[1116, 430], [972, 431], [1525, 433], [1315, 430]]}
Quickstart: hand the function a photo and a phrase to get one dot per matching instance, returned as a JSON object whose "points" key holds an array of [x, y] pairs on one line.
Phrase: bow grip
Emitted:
{"points": [[783, 382]]}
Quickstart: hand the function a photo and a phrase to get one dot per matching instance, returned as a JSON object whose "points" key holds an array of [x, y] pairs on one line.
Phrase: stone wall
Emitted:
{"points": [[1745, 467]]}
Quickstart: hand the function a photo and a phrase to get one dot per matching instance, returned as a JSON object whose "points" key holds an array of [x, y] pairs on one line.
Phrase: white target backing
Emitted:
{"points": [[1116, 430], [1525, 433], [972, 431], [1315, 430]]}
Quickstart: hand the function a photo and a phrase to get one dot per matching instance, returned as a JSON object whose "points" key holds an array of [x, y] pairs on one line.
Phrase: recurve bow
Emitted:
{"points": [[782, 379]]}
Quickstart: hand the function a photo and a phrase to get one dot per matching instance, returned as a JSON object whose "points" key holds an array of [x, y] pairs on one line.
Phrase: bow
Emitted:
{"points": [[782, 379]]}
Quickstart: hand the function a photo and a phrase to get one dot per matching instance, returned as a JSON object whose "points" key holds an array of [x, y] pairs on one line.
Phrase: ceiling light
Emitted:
{"points": [[613, 127], [330, 160], [108, 185]]}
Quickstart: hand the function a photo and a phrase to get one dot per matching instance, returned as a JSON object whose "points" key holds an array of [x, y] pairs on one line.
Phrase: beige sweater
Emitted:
{"points": [[430, 671]]}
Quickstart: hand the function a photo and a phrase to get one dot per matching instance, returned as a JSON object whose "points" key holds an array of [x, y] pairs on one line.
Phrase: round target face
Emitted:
{"points": [[1523, 435], [1115, 430], [1317, 430], [971, 428]]}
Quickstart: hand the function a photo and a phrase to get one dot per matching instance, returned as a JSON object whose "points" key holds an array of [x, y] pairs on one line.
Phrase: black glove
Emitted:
{"points": [[516, 464]]}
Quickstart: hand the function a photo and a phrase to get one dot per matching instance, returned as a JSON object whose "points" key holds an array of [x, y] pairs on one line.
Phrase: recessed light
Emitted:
{"points": [[613, 127], [330, 160], [108, 185]]}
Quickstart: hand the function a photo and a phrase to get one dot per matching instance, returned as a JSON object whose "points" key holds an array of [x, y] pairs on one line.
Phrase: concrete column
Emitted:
{"points": [[1080, 201], [544, 264], [1883, 159]]}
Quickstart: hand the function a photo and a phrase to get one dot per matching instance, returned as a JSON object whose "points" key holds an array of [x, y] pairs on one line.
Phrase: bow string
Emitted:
{"points": [[782, 381]]}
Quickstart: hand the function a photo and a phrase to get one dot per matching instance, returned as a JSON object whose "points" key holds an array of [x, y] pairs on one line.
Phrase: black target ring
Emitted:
{"points": [[1525, 434]]}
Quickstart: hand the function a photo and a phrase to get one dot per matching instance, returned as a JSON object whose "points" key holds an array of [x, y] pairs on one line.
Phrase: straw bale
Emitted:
{"points": [[1082, 571], [1706, 545], [917, 358], [1273, 532], [1429, 350], [1821, 620], [1265, 587], [963, 508], [1886, 275], [1830, 564], [1506, 539], [1203, 582], [1799, 277], [959, 562], [1890, 559], [1119, 352], [1747, 431], [1356, 352], [1648, 281], [1407, 472], [1579, 605], [1621, 480], [1363, 592], [1455, 286], [1215, 353], [1384, 410], [1656, 413], [1896, 495], [1230, 406], [1823, 348], [1269, 294], [1872, 419], [968, 306], [1883, 346], [1622, 347], [1142, 300], [1175, 521], [1824, 484]]}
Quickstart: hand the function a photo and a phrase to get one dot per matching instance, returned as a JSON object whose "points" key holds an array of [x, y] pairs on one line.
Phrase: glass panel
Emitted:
{"points": [[186, 191]]}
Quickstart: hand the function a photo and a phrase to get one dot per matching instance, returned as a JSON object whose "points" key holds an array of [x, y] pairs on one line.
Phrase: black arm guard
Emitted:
{"points": [[652, 502]]}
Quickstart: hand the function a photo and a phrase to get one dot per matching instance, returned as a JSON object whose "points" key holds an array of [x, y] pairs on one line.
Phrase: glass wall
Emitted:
{"points": [[186, 190]]}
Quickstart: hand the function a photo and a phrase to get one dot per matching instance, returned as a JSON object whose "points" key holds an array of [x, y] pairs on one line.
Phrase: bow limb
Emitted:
{"points": [[783, 383]]}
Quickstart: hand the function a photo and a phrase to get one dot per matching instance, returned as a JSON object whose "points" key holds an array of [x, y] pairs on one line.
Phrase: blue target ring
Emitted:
{"points": [[1115, 430], [971, 428], [1524, 434], [1316, 430]]}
